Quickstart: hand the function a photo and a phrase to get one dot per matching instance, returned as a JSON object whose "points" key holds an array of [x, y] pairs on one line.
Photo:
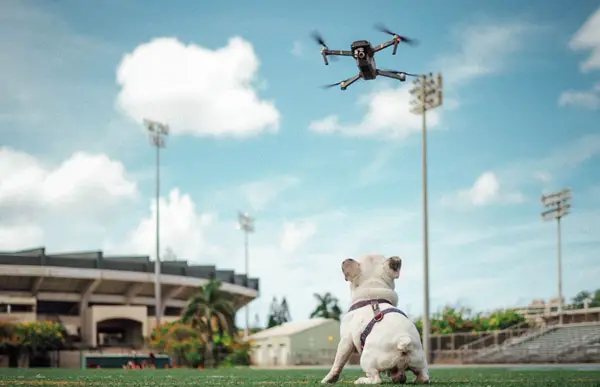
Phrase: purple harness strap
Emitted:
{"points": [[378, 316]]}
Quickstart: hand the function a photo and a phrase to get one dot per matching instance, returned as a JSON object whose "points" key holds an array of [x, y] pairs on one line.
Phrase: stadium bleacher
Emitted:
{"points": [[572, 343]]}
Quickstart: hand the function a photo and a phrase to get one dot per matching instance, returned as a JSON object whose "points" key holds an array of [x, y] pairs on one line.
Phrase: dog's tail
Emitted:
{"points": [[405, 344]]}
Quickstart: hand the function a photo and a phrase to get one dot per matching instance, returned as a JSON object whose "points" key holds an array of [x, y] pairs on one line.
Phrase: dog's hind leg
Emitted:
{"points": [[368, 364], [398, 375], [344, 350], [418, 365]]}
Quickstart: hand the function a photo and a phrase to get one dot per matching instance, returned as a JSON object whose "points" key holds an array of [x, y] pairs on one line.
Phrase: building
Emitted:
{"points": [[309, 342], [104, 300]]}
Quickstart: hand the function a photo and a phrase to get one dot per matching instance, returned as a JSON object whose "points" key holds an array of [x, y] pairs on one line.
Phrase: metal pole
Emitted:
{"points": [[558, 204], [559, 262], [246, 263], [157, 287], [426, 329]]}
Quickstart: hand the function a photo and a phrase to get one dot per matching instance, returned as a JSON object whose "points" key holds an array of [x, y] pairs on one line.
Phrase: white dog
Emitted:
{"points": [[387, 340]]}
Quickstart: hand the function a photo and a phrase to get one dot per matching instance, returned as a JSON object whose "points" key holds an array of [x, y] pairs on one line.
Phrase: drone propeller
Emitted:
{"points": [[319, 39], [332, 85], [384, 29]]}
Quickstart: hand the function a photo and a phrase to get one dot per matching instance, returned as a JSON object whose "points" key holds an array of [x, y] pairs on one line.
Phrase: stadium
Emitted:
{"points": [[104, 301]]}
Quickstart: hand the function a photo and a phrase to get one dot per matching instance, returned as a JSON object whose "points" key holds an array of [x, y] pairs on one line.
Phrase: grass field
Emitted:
{"points": [[463, 377]]}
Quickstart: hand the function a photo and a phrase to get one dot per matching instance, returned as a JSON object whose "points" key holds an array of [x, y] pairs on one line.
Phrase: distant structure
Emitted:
{"points": [[105, 300]]}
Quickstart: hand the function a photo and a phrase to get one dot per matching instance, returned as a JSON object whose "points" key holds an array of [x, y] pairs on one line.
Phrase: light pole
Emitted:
{"points": [[557, 205], [427, 93], [246, 224], [158, 132]]}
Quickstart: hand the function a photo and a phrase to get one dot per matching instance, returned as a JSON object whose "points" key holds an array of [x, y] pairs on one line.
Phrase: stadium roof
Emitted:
{"points": [[111, 279], [135, 263]]}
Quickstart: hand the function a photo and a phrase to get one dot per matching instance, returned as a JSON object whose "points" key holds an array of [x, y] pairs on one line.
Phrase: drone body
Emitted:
{"points": [[364, 54]]}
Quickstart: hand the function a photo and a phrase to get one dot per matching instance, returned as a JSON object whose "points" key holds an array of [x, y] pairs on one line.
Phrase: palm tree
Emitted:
{"points": [[210, 309], [327, 307]]}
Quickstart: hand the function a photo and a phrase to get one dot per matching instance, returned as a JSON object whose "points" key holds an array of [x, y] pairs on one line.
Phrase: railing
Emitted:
{"points": [[511, 349], [494, 337]]}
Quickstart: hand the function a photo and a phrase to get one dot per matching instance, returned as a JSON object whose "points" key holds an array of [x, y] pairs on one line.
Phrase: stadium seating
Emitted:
{"points": [[567, 343]]}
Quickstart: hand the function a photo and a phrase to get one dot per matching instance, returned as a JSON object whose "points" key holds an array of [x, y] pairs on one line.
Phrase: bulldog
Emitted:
{"points": [[386, 339]]}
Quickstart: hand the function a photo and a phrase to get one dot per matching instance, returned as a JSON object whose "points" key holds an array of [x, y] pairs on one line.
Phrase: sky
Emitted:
{"points": [[328, 174]]}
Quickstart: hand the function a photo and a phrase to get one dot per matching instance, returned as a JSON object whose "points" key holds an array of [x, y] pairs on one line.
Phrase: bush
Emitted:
{"points": [[184, 343], [40, 335], [35, 335], [459, 320]]}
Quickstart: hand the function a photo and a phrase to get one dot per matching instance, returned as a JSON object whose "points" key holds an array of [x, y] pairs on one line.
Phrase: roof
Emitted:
{"points": [[290, 328], [91, 260]]}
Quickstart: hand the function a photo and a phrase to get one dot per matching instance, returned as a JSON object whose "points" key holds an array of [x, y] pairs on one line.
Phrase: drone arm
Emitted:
{"points": [[326, 52], [337, 52], [382, 46], [349, 81], [392, 75]]}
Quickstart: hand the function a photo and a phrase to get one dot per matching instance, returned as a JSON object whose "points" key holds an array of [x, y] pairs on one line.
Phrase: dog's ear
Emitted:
{"points": [[394, 264], [351, 269]]}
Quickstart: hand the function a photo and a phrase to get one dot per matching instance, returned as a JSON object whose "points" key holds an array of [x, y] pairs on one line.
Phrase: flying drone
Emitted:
{"points": [[364, 54]]}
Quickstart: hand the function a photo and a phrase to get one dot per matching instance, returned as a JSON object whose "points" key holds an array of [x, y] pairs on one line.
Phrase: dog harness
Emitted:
{"points": [[377, 315]]}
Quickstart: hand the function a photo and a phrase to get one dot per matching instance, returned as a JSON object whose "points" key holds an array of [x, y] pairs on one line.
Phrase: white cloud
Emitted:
{"points": [[484, 191], [296, 234], [553, 166], [196, 90], [589, 99], [182, 229], [485, 50], [15, 237], [587, 38], [547, 172], [84, 183], [297, 48], [261, 192], [387, 115], [543, 177]]}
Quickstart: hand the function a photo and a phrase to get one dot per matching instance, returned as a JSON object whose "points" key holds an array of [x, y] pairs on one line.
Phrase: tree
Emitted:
{"points": [[593, 298], [284, 312], [279, 313], [211, 309], [327, 307]]}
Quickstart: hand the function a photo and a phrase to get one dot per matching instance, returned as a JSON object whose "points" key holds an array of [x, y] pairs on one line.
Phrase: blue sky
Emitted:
{"points": [[239, 85]]}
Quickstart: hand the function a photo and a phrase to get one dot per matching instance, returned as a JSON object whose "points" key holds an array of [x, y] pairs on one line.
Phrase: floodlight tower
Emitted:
{"points": [[246, 224], [158, 133], [427, 93], [558, 205]]}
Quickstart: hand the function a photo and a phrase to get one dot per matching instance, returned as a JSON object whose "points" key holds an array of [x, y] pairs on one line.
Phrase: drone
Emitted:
{"points": [[364, 54]]}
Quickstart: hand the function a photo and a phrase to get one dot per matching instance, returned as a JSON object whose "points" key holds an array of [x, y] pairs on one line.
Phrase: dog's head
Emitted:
{"points": [[372, 275]]}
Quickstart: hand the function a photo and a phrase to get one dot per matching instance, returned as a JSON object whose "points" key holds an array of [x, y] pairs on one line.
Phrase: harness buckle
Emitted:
{"points": [[379, 316]]}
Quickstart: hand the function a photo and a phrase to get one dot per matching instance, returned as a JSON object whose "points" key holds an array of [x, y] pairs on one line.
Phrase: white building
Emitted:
{"points": [[308, 342]]}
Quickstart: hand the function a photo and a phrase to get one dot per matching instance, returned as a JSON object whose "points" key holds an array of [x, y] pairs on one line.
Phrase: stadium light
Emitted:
{"points": [[558, 205], [158, 133], [427, 93], [246, 224]]}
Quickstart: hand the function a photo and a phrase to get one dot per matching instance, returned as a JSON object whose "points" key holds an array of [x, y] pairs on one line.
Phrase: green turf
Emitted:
{"points": [[482, 377]]}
